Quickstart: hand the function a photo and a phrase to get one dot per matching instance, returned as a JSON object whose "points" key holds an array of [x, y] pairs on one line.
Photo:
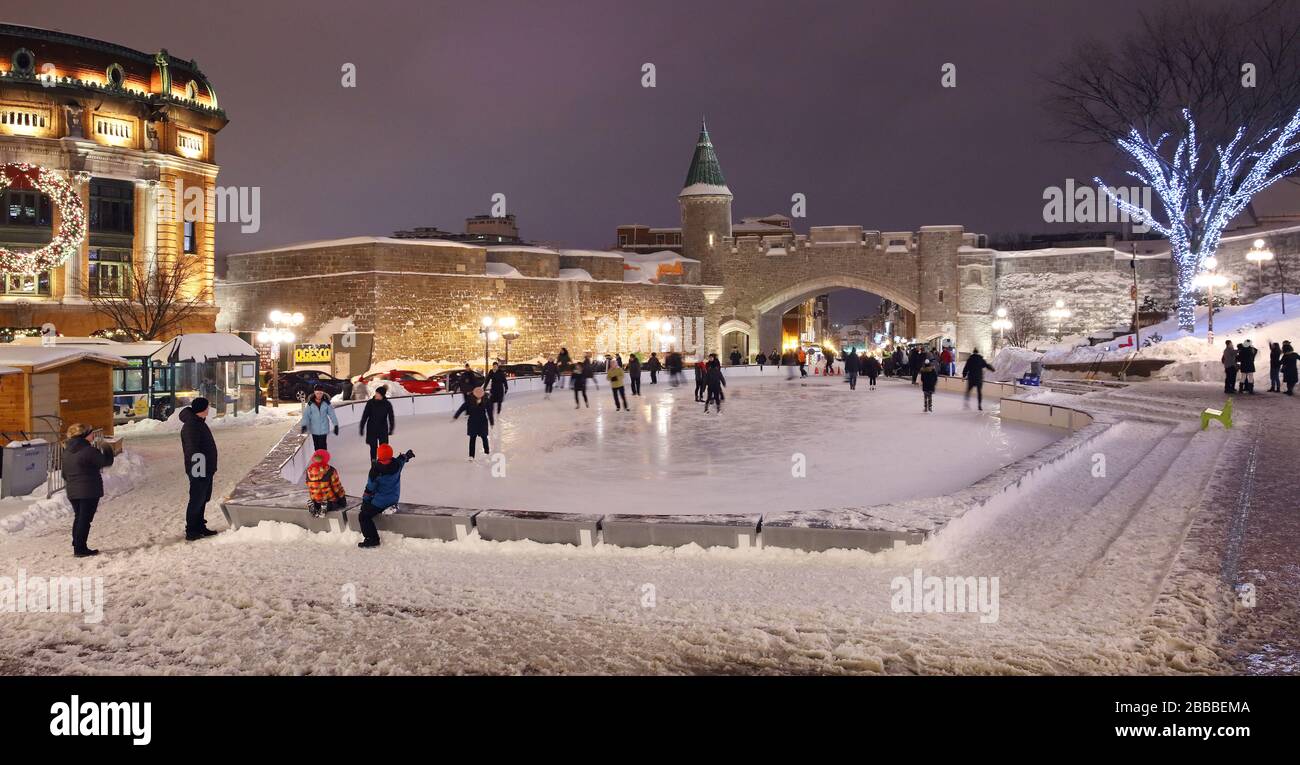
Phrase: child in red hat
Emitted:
{"points": [[323, 485]]}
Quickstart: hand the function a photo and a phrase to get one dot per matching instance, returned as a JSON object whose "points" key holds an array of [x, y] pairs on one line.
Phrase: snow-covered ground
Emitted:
{"points": [[666, 456], [1083, 562]]}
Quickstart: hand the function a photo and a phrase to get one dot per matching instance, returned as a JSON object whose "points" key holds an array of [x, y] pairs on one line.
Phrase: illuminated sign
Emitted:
{"points": [[313, 353]]}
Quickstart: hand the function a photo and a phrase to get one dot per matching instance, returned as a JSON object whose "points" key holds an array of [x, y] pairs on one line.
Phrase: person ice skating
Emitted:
{"points": [[377, 420], [324, 489], [83, 483], [1246, 363], [383, 490], [550, 371], [735, 357], [915, 358], [1229, 361], [468, 381], [346, 393], [948, 360], [929, 381], [1274, 368], [714, 382], [653, 366], [700, 371], [851, 366], [675, 364], [760, 360], [830, 362], [318, 416], [200, 451], [974, 374], [615, 376], [478, 411], [801, 356], [564, 362], [634, 373], [1290, 374], [499, 384], [871, 368], [578, 382]]}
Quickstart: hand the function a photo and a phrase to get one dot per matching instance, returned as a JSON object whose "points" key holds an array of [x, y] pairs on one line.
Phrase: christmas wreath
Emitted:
{"points": [[72, 220]]}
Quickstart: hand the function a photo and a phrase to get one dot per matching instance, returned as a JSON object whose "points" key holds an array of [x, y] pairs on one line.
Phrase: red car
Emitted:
{"points": [[413, 382]]}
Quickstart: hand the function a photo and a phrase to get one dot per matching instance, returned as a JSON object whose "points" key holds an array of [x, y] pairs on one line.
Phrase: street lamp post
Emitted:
{"points": [[279, 331], [1209, 280], [509, 329], [1259, 254], [1002, 324], [1060, 313]]}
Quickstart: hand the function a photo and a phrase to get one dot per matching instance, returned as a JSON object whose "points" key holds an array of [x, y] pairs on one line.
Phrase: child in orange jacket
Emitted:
{"points": [[323, 485]]}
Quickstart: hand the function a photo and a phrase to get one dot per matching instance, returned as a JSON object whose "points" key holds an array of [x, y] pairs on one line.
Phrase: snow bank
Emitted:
{"points": [[267, 416], [126, 472], [1013, 363]]}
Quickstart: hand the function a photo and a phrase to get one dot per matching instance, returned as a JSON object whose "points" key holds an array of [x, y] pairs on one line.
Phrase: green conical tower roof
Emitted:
{"points": [[705, 174]]}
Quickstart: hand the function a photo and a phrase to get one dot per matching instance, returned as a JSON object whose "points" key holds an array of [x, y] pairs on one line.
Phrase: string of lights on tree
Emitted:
{"points": [[72, 220], [1198, 206]]}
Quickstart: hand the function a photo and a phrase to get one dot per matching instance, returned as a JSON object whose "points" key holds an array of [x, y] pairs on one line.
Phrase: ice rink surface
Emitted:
{"points": [[665, 456]]}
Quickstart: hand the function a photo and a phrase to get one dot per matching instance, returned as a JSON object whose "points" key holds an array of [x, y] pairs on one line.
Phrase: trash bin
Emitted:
{"points": [[24, 467]]}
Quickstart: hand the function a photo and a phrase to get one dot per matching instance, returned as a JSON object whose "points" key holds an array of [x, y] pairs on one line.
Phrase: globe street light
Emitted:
{"points": [[1060, 313], [276, 333], [1209, 280], [1002, 324], [664, 334], [488, 329], [509, 328], [1259, 254]]}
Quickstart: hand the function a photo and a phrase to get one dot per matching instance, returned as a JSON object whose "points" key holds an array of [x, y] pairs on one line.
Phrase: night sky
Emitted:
{"points": [[542, 101]]}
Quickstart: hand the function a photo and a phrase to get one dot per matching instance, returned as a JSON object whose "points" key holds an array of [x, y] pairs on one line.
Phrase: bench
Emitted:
{"points": [[1223, 415]]}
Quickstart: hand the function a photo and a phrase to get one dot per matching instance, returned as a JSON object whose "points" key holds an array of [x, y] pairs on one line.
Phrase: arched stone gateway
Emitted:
{"points": [[939, 274]]}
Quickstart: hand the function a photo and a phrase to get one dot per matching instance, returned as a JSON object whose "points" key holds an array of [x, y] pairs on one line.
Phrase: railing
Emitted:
{"points": [[54, 427]]}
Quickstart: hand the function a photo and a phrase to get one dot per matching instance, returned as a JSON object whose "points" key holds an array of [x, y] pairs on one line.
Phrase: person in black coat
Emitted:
{"points": [[1246, 363], [914, 360], [735, 357], [564, 362], [1274, 368], [852, 364], [377, 420], [478, 411], [579, 383], [714, 382], [82, 462], [973, 372], [347, 389], [929, 381], [200, 450], [634, 374], [1290, 374], [498, 384], [760, 360], [550, 371], [871, 368], [653, 366], [699, 380]]}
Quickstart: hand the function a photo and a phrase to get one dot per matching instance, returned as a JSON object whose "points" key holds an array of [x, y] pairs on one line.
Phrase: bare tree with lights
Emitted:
{"points": [[154, 303]]}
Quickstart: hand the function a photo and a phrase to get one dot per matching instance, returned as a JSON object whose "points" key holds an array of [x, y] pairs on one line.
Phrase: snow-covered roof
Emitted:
{"points": [[521, 248], [704, 189], [576, 275], [63, 340], [354, 240], [662, 256], [9, 371], [503, 270], [593, 253], [40, 358], [204, 346]]}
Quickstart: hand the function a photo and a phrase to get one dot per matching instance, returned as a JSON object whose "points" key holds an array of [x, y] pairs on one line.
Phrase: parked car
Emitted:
{"points": [[450, 379], [522, 370], [413, 382], [299, 383]]}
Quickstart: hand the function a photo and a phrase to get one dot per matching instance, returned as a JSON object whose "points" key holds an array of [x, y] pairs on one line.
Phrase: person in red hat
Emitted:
{"points": [[383, 490], [323, 485]]}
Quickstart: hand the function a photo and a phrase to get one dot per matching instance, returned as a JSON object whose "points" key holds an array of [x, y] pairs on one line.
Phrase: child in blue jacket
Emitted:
{"points": [[383, 490]]}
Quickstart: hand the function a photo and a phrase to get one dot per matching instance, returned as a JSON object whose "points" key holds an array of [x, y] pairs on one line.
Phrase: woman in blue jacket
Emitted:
{"points": [[317, 414]]}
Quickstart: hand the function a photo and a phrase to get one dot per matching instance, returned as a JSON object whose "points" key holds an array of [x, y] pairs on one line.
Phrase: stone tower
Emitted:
{"points": [[706, 210]]}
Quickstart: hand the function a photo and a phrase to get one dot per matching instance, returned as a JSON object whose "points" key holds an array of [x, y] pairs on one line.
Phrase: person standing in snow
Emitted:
{"points": [[653, 366], [324, 489], [946, 359], [377, 420], [1290, 374], [675, 366], [578, 382], [346, 393], [83, 483], [1246, 361], [801, 356], [1229, 361], [317, 415], [499, 385], [1274, 367], [851, 366], [383, 490], [200, 451], [714, 382], [615, 376], [974, 374], [550, 371], [634, 373], [929, 381], [871, 367], [478, 411]]}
